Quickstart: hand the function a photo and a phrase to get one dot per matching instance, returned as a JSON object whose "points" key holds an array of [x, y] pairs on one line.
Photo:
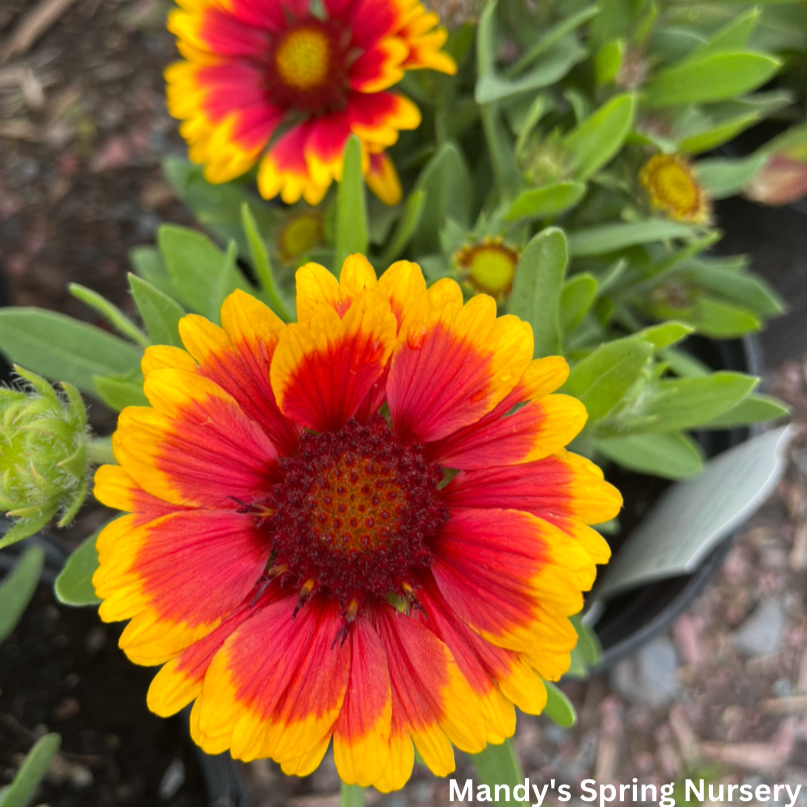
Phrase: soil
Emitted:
{"points": [[61, 670]]}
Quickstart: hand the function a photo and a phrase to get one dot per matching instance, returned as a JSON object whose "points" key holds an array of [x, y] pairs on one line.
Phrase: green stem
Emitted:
{"points": [[99, 451], [352, 795], [499, 765]]}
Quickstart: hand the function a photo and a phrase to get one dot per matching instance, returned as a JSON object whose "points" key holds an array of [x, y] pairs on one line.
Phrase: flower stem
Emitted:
{"points": [[99, 451], [352, 795], [498, 765]]}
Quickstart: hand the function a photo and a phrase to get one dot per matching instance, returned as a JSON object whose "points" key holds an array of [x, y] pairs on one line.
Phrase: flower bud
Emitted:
{"points": [[43, 455]]}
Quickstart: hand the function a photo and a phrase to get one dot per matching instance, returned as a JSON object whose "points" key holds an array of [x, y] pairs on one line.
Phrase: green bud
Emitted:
{"points": [[544, 161], [43, 455]]}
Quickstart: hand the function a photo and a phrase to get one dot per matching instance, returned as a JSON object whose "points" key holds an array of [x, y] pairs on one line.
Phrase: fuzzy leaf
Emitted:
{"points": [[64, 349], [670, 456], [537, 286], [598, 139], [31, 772], [352, 233], [18, 588], [558, 707], [611, 237], [550, 200], [756, 408], [74, 584], [161, 314], [709, 78], [602, 379]]}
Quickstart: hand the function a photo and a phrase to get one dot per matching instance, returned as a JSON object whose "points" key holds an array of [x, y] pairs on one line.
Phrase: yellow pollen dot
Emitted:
{"points": [[490, 265], [670, 181], [299, 236], [303, 59]]}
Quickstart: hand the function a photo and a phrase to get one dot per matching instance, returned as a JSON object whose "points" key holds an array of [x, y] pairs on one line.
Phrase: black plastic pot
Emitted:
{"points": [[222, 780], [632, 619]]}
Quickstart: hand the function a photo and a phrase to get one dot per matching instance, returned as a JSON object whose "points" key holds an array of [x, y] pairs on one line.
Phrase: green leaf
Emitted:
{"points": [[586, 653], [756, 408], [681, 403], [598, 139], [262, 265], [161, 314], [110, 312], [407, 225], [537, 286], [149, 265], [31, 772], [608, 61], [732, 36], [558, 707], [200, 271], [750, 291], [715, 135], [664, 335], [352, 233], [601, 380], [552, 37], [669, 456], [74, 584], [549, 200], [712, 318], [611, 237], [118, 393], [555, 63], [722, 178], [577, 297], [499, 765], [714, 77], [18, 588], [64, 349], [447, 185]]}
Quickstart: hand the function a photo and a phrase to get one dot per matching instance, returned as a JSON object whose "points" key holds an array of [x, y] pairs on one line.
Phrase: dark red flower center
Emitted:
{"points": [[354, 513], [307, 67]]}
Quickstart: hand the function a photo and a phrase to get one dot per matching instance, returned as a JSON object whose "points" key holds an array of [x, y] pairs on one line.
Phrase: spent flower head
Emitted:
{"points": [[671, 182], [43, 455]]}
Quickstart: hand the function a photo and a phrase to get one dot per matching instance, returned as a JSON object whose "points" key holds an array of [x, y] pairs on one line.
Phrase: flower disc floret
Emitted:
{"points": [[361, 529], [353, 513], [673, 187]]}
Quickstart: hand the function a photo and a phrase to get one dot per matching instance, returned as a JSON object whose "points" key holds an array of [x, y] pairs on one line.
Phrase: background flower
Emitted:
{"points": [[277, 83], [308, 570]]}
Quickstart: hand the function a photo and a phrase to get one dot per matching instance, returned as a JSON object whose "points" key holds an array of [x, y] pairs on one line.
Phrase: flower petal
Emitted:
{"points": [[276, 687], [563, 486], [496, 675], [203, 451], [382, 179], [238, 358], [511, 578], [362, 732], [180, 680], [284, 169], [378, 117], [177, 577], [321, 374], [431, 698], [453, 363], [403, 285], [316, 287], [506, 437]]}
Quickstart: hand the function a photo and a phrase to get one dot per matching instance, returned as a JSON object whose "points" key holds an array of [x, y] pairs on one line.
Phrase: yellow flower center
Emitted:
{"points": [[670, 181], [491, 267], [303, 58], [299, 236]]}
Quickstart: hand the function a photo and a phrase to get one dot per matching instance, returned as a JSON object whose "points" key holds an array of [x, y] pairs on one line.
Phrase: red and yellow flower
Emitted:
{"points": [[284, 83], [360, 528]]}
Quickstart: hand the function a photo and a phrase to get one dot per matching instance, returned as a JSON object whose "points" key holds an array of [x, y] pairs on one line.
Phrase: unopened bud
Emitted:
{"points": [[43, 455]]}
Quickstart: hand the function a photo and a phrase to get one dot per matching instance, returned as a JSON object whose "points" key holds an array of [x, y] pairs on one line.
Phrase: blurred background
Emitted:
{"points": [[721, 696]]}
